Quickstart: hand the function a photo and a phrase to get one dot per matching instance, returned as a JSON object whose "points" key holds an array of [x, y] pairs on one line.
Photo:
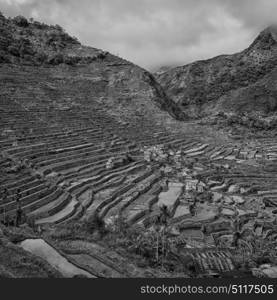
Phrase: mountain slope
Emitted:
{"points": [[245, 81], [60, 73]]}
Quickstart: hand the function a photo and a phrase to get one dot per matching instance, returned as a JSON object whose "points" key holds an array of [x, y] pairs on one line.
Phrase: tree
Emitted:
{"points": [[160, 223], [95, 222]]}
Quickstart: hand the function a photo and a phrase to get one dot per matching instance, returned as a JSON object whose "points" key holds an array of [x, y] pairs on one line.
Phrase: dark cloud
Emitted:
{"points": [[153, 33]]}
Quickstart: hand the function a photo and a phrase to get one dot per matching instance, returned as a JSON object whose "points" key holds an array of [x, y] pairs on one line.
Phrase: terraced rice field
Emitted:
{"points": [[55, 162]]}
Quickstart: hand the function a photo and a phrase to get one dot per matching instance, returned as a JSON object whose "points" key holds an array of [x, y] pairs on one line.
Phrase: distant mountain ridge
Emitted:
{"points": [[245, 81], [242, 82]]}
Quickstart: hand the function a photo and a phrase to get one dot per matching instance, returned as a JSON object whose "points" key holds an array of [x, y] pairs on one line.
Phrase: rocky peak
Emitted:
{"points": [[266, 39]]}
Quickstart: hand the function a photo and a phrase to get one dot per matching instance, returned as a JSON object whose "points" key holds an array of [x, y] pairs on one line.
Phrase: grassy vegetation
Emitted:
{"points": [[264, 252], [243, 124], [33, 43], [148, 249]]}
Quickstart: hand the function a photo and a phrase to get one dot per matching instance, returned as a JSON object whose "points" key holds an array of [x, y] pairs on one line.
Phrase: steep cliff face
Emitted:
{"points": [[230, 83], [51, 65]]}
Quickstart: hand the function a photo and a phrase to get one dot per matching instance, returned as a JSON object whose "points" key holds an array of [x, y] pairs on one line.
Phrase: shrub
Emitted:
{"points": [[31, 222], [2, 16], [4, 58], [28, 32], [52, 38], [102, 55], [12, 49], [21, 21], [58, 27], [25, 47], [56, 59], [72, 60], [58, 39], [27, 59], [221, 114], [39, 25], [40, 57], [95, 223], [21, 47]]}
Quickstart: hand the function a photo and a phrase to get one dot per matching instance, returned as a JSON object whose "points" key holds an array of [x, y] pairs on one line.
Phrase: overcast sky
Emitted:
{"points": [[155, 33]]}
